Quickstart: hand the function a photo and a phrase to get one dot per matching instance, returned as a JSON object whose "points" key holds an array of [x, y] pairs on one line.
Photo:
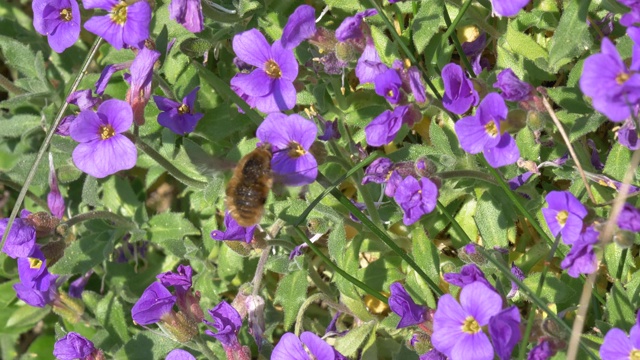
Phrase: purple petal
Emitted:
{"points": [[179, 354], [447, 324], [383, 129], [136, 28], [86, 127], [21, 240], [286, 60], [401, 303], [73, 346], [55, 202], [280, 130], [295, 172], [165, 104], [480, 301], [154, 303], [505, 153], [369, 65], [318, 347], [616, 345], [256, 83], [101, 158], [187, 13], [66, 33], [473, 346], [504, 329], [289, 348], [99, 4], [459, 93], [472, 135], [118, 113], [508, 7], [252, 47], [282, 98], [103, 26], [300, 26]]}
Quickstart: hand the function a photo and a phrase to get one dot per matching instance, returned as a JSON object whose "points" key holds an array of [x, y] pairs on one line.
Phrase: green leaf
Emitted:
{"points": [[349, 6], [495, 219], [621, 313], [110, 313], [572, 37], [291, 293], [20, 57], [25, 317], [90, 191], [426, 254], [617, 162], [18, 125], [170, 226], [88, 251], [146, 345], [570, 99], [387, 49], [427, 22], [350, 343]]}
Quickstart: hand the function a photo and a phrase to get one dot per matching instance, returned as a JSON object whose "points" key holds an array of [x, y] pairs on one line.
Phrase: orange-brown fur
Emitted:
{"points": [[249, 186]]}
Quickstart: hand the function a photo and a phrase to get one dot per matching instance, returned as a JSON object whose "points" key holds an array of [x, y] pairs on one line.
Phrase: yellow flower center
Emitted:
{"points": [[491, 128], [470, 325], [296, 150], [390, 93], [106, 131], [272, 69], [622, 78], [634, 355], [35, 263], [562, 217], [119, 13], [183, 109], [65, 14]]}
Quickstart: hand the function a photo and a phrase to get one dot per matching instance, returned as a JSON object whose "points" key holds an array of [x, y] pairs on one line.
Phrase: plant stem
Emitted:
{"points": [[206, 351], [105, 215], [162, 161], [14, 185], [454, 174], [47, 140], [9, 86], [454, 38]]}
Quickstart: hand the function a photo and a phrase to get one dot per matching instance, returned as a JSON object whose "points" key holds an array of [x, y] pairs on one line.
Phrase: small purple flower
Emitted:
{"points": [[180, 280], [581, 259], [629, 218], [401, 303], [233, 231], [542, 351], [154, 303], [83, 99], [329, 130], [54, 198], [291, 137], [473, 50], [612, 86], [459, 93], [618, 346], [369, 65], [504, 328], [33, 270], [457, 328], [73, 346], [179, 354], [299, 250], [187, 13], [270, 86], [482, 133], [628, 136], [21, 240], [228, 322], [508, 7], [139, 81], [564, 215], [433, 355], [519, 274], [513, 89], [595, 158], [469, 274], [388, 85], [300, 26], [125, 24], [77, 286], [180, 118], [519, 180], [103, 150], [351, 27], [392, 184], [291, 348], [378, 171], [107, 73], [416, 198], [65, 123], [59, 20], [37, 287], [384, 128]]}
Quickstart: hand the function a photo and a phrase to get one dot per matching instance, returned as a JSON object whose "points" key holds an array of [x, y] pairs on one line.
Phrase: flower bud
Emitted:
{"points": [[68, 308]]}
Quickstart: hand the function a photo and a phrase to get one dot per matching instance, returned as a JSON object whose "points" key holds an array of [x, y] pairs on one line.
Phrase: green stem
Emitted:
{"points": [[454, 174], [454, 38], [206, 351], [320, 284], [380, 234], [465, 238], [105, 215], [9, 86], [162, 161], [337, 269], [166, 88], [300, 317], [14, 185], [47, 140]]}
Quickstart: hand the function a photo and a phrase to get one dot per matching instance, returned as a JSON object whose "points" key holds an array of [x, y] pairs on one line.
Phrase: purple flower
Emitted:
{"points": [[154, 303], [103, 150], [388, 85], [481, 133], [180, 280], [125, 24], [54, 198], [457, 328], [508, 7], [107, 73], [416, 198], [21, 240], [300, 26], [73, 346], [519, 274], [632, 18], [179, 354], [618, 346], [180, 118], [140, 82], [369, 65], [433, 355], [401, 303], [59, 20], [77, 286], [384, 128], [37, 287], [270, 86], [469, 274], [513, 89], [581, 259], [459, 93], [519, 180], [504, 328], [228, 322], [378, 171], [629, 218], [65, 123], [564, 215], [187, 13], [83, 99], [351, 27], [628, 136], [291, 348], [612, 86], [392, 184], [329, 130], [233, 231], [542, 351], [595, 158], [415, 84], [290, 136], [473, 50]]}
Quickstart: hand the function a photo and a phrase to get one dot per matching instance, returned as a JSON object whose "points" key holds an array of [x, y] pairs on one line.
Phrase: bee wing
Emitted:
{"points": [[206, 163]]}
